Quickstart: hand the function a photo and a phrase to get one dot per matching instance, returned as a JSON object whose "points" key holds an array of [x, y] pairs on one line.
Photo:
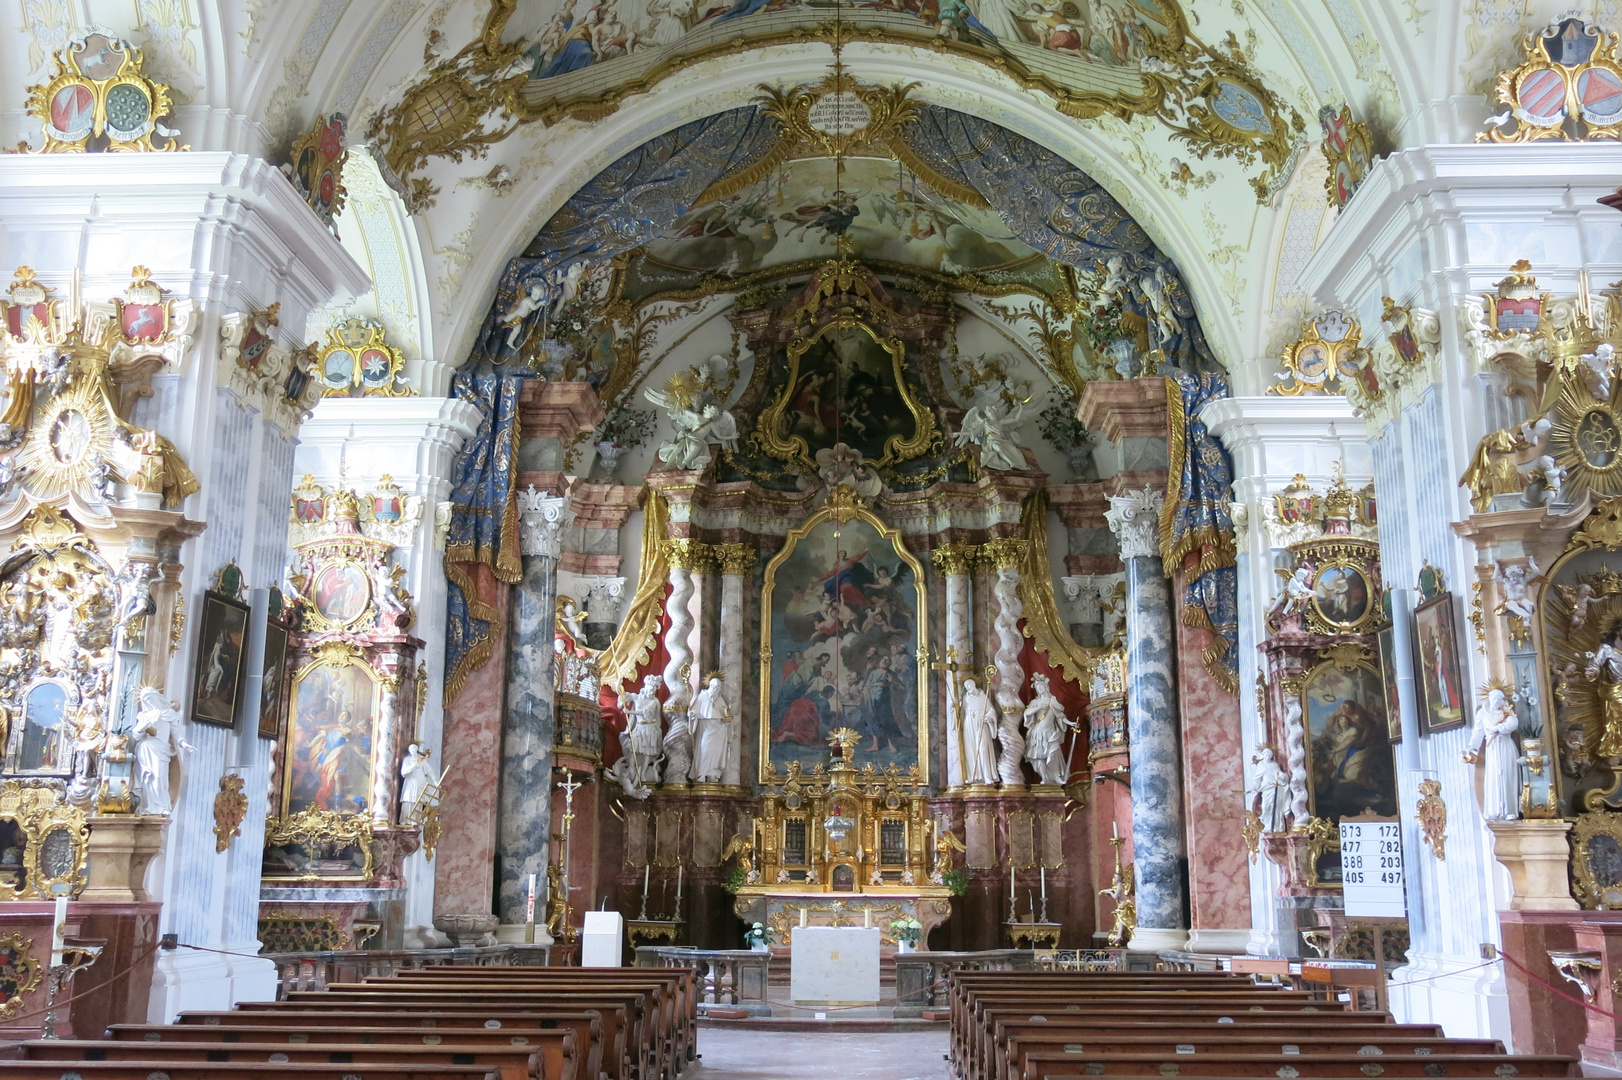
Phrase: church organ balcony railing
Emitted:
{"points": [[1106, 708], [579, 716]]}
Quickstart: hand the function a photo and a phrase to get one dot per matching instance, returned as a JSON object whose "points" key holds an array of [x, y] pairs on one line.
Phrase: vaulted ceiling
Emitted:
{"points": [[544, 93]]}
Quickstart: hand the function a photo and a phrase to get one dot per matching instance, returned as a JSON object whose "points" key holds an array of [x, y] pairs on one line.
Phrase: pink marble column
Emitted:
{"points": [[1213, 798], [472, 753]]}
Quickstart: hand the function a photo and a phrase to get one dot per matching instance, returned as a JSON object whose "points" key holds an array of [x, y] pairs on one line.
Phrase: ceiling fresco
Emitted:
{"points": [[883, 210]]}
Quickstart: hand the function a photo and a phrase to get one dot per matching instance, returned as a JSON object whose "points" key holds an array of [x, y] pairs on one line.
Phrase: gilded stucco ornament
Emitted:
{"points": [[357, 361], [1567, 87], [99, 99], [1211, 99], [1327, 352], [1432, 813]]}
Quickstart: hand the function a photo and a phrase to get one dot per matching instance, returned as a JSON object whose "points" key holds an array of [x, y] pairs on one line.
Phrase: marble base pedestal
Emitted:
{"points": [[835, 965]]}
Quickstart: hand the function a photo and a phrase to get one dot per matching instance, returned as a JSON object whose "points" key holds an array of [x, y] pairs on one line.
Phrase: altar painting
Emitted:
{"points": [[1582, 625], [329, 740], [847, 389], [1349, 749], [843, 607]]}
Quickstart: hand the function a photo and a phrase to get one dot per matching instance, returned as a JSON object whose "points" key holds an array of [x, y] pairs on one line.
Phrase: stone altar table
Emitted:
{"points": [[835, 965]]}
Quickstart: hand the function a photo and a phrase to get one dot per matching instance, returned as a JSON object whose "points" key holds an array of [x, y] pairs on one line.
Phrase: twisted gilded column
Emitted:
{"points": [[1007, 555], [954, 561], [682, 555], [528, 727], [1151, 715], [737, 565]]}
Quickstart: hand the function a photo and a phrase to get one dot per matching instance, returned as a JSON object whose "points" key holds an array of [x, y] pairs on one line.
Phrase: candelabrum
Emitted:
{"points": [[75, 958]]}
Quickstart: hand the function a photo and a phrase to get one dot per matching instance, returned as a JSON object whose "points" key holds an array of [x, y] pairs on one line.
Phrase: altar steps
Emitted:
{"points": [[870, 1024]]}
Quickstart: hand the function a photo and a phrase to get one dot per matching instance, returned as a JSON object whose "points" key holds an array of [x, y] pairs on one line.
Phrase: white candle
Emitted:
{"points": [[645, 869], [678, 883], [529, 910], [59, 926], [1115, 830], [1011, 879], [1044, 871], [867, 917], [802, 916]]}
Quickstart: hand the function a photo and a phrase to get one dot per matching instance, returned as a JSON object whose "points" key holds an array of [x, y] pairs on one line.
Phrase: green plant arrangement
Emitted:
{"points": [[907, 931], [734, 880], [758, 937], [957, 881]]}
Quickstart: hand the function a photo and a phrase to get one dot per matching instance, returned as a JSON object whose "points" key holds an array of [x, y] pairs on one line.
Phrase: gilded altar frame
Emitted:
{"points": [[340, 655], [843, 505], [897, 448]]}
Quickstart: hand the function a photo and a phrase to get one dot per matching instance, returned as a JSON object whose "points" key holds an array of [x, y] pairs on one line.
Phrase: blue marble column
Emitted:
{"points": [[524, 810], [1151, 711]]}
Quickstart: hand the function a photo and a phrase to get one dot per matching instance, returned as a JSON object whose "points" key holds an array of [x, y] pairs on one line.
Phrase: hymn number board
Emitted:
{"points": [[1371, 867]]}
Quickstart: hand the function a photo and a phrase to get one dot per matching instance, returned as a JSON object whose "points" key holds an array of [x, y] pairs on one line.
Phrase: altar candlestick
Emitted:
{"points": [[1115, 830], [529, 914]]}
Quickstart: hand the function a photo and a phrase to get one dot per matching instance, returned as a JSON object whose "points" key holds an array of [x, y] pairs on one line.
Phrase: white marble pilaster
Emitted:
{"points": [[737, 561], [953, 562]]}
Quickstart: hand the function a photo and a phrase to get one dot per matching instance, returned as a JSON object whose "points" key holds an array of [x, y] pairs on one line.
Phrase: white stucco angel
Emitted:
{"points": [[414, 778], [720, 427], [1298, 589], [990, 427], [529, 303], [572, 619], [1109, 289], [1577, 601], [1513, 581], [979, 735], [1596, 371], [157, 740], [714, 728], [1045, 728], [1492, 741], [1269, 783], [841, 464], [1157, 288], [1544, 476], [566, 287]]}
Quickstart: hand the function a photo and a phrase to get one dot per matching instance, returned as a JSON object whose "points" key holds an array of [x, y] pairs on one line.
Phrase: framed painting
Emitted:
{"points": [[221, 642], [1436, 655], [1350, 767], [273, 685], [842, 606], [329, 739], [1341, 595], [1388, 676], [342, 592]]}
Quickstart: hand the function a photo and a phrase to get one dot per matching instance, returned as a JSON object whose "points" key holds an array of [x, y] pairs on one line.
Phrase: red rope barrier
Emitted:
{"points": [[1508, 959]]}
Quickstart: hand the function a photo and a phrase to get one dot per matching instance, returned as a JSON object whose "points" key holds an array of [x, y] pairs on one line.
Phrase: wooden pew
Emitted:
{"points": [[507, 1063], [679, 990], [602, 1030], [1047, 1065], [637, 1056], [558, 1047], [215, 1070]]}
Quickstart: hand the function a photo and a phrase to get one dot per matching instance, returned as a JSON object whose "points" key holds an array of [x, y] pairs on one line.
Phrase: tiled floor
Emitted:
{"points": [[779, 1055]]}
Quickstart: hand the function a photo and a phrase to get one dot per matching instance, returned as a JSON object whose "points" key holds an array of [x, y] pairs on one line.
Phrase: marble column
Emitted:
{"points": [[954, 562], [1151, 714], [737, 565], [602, 596], [678, 672], [1007, 556], [528, 728]]}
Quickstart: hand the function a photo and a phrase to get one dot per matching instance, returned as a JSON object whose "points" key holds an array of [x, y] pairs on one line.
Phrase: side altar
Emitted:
{"points": [[842, 846]]}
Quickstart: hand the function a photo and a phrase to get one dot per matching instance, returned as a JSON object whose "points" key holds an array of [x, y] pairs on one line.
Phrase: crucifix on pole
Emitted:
{"points": [[569, 785], [954, 678]]}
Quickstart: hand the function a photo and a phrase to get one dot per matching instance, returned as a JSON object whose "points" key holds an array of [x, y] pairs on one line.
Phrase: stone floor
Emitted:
{"points": [[782, 1055]]}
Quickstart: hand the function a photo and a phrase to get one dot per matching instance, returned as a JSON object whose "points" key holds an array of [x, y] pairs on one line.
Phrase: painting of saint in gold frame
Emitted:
{"points": [[1350, 762], [221, 643], [1436, 655], [842, 607], [329, 740]]}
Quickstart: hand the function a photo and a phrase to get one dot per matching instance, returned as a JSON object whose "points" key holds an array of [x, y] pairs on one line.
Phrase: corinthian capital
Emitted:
{"points": [[541, 521], [1134, 518]]}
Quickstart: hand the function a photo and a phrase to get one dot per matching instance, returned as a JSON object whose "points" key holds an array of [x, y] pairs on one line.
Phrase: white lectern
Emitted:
{"points": [[834, 965], [600, 941]]}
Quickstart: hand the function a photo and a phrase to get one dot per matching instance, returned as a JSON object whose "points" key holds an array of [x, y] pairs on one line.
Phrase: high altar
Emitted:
{"points": [[842, 846]]}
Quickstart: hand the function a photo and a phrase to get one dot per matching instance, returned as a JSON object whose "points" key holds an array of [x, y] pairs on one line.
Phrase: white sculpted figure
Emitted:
{"points": [[527, 305], [696, 429], [1045, 727], [979, 731], [572, 619], [712, 721], [1267, 782], [413, 778], [988, 426], [1578, 600], [1545, 476], [647, 732], [1496, 724], [157, 740], [721, 428], [1514, 580], [1596, 371], [839, 464], [1297, 589]]}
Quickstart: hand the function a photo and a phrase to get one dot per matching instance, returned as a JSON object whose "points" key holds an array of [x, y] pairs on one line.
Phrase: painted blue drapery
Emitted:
{"points": [[627, 204], [1066, 214]]}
